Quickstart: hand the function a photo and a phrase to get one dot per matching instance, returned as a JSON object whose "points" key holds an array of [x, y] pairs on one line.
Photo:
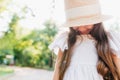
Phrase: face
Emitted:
{"points": [[83, 29]]}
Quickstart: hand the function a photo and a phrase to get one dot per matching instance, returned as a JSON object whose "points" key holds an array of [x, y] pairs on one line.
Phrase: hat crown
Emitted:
{"points": [[77, 3], [81, 9], [83, 12]]}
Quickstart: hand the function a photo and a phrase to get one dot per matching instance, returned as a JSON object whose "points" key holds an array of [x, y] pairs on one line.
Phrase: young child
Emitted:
{"points": [[86, 51]]}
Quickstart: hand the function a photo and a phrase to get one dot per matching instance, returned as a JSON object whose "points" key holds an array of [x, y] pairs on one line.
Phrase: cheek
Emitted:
{"points": [[82, 29]]}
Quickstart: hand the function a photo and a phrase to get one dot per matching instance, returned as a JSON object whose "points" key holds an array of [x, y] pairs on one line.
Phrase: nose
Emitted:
{"points": [[89, 26]]}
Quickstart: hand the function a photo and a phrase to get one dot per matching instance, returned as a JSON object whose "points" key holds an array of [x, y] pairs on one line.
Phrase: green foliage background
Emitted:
{"points": [[28, 50]]}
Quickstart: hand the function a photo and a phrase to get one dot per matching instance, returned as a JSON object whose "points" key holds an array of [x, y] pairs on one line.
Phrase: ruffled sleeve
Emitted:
{"points": [[60, 42], [114, 41]]}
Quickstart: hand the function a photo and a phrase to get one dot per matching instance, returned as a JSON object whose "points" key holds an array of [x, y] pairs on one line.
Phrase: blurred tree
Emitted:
{"points": [[9, 39], [35, 46], [30, 50]]}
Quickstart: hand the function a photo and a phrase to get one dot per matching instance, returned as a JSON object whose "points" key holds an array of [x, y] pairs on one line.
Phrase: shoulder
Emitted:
{"points": [[114, 37], [62, 34], [59, 42], [114, 41], [113, 34]]}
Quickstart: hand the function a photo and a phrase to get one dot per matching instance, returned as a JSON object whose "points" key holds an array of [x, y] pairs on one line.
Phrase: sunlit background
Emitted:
{"points": [[27, 27], [41, 10]]}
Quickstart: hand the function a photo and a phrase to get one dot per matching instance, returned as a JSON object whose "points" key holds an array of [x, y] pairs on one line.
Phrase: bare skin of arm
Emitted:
{"points": [[117, 62], [56, 70]]}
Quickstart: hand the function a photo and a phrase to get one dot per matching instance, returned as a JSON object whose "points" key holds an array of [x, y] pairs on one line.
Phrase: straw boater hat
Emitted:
{"points": [[83, 12]]}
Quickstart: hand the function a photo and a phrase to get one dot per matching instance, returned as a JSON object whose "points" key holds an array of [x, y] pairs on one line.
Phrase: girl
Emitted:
{"points": [[86, 51]]}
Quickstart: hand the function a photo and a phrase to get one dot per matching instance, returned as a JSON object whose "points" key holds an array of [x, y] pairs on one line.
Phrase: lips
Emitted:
{"points": [[84, 32]]}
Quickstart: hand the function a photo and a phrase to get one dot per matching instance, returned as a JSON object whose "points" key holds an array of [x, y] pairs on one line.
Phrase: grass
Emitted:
{"points": [[5, 70]]}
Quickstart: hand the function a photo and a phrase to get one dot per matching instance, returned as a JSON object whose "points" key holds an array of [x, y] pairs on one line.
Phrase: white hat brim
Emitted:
{"points": [[86, 21]]}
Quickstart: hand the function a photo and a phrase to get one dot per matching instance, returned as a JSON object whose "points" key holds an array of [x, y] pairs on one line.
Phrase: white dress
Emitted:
{"points": [[83, 64]]}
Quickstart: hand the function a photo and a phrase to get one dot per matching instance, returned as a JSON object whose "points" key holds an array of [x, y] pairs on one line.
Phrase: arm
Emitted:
{"points": [[117, 62], [56, 70]]}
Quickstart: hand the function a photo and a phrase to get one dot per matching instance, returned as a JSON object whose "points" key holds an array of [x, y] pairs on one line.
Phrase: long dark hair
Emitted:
{"points": [[106, 66]]}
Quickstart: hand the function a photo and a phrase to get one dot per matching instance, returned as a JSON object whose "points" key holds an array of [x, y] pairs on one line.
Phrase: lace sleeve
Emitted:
{"points": [[60, 42]]}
